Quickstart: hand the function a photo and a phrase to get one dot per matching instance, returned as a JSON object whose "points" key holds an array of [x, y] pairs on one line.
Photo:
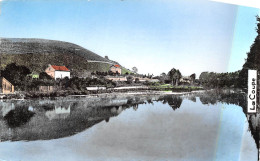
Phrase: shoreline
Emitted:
{"points": [[19, 96]]}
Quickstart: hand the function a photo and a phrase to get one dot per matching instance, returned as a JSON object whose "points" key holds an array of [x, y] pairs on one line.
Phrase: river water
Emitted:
{"points": [[121, 127]]}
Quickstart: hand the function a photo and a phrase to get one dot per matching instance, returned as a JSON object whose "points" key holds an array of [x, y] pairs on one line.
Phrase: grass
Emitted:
{"points": [[124, 70], [97, 66], [169, 87]]}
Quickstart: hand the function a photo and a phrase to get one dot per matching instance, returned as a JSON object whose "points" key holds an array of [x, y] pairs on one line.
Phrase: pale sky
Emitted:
{"points": [[155, 36]]}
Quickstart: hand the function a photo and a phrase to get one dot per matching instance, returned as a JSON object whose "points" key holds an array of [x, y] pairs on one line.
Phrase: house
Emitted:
{"points": [[46, 89], [6, 87], [115, 68], [57, 71], [187, 80]]}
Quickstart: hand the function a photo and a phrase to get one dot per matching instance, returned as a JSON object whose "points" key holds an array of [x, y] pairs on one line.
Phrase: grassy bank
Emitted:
{"points": [[169, 87]]}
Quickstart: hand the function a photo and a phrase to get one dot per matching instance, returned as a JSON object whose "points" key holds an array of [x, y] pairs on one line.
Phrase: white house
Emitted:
{"points": [[57, 71]]}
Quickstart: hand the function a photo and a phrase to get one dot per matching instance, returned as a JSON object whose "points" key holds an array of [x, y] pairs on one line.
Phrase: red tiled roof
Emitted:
{"points": [[60, 68], [117, 65]]}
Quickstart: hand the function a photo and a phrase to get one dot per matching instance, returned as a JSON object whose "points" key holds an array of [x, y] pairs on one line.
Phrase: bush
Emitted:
{"points": [[137, 80], [129, 79], [44, 75]]}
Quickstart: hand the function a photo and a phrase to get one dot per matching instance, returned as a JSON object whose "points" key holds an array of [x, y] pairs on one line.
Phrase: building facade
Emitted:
{"points": [[57, 71], [46, 89], [115, 69], [5, 86]]}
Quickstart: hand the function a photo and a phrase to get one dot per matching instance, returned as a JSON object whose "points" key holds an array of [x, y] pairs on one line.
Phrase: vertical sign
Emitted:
{"points": [[252, 90]]}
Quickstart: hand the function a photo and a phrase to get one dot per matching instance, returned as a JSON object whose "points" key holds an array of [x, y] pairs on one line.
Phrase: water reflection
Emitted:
{"points": [[156, 121], [17, 117], [51, 119], [172, 100], [59, 112], [236, 98]]}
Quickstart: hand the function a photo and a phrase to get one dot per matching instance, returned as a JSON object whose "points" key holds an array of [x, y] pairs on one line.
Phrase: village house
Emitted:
{"points": [[5, 86], [186, 80], [57, 71], [115, 69], [46, 89]]}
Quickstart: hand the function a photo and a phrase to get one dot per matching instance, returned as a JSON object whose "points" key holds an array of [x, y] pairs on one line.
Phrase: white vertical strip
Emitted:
{"points": [[252, 90], [248, 3]]}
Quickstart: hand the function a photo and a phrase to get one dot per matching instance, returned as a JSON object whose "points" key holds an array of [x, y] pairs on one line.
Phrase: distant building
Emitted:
{"points": [[95, 88], [187, 80], [115, 68], [5, 86], [46, 89], [57, 71], [115, 79]]}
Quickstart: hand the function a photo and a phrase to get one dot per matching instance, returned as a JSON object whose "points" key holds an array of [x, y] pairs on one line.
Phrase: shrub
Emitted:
{"points": [[137, 80], [129, 79]]}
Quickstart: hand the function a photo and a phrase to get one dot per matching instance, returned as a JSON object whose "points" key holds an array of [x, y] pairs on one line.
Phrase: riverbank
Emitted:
{"points": [[97, 93]]}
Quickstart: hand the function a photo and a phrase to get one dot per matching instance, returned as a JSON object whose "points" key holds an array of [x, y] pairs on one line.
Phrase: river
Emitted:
{"points": [[127, 127]]}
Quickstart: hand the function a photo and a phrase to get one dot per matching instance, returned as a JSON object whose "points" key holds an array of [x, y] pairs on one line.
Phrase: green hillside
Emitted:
{"points": [[36, 54]]}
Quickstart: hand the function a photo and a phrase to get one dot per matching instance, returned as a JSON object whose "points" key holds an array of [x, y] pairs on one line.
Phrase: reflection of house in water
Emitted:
{"points": [[117, 101], [60, 112], [116, 110]]}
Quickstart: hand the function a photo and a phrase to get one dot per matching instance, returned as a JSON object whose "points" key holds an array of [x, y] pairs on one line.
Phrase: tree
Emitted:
{"points": [[163, 78], [204, 77], [106, 57], [129, 79], [174, 75], [44, 75], [193, 77], [253, 58], [137, 80], [135, 70], [15, 73], [219, 80], [177, 76]]}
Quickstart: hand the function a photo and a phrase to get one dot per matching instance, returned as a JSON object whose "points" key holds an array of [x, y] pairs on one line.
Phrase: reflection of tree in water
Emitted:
{"points": [[174, 101], [135, 107], [192, 98], [85, 114], [237, 98], [208, 100], [254, 128], [17, 117], [149, 101], [225, 96]]}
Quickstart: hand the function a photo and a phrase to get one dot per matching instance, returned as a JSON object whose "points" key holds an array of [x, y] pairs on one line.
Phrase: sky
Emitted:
{"points": [[154, 36]]}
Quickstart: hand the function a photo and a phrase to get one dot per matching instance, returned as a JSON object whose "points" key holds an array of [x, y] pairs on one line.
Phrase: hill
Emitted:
{"points": [[36, 54]]}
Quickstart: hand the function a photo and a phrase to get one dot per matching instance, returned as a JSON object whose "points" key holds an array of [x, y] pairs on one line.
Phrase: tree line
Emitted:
{"points": [[220, 80]]}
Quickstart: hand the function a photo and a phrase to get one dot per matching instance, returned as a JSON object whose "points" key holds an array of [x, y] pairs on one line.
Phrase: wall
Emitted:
{"points": [[50, 71], [7, 87], [46, 88], [115, 69], [61, 74]]}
